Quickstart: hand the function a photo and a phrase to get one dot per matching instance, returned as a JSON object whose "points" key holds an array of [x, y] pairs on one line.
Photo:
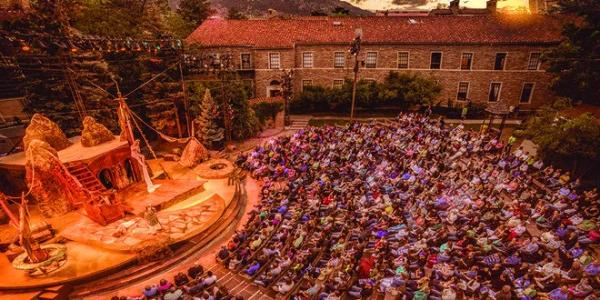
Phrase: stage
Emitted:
{"points": [[187, 208]]}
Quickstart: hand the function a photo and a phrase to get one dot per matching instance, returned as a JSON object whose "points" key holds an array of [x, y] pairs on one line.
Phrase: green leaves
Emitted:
{"points": [[398, 89], [576, 61]]}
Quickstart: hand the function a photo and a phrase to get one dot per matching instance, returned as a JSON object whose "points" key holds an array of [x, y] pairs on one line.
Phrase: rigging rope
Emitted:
{"points": [[151, 79], [143, 136]]}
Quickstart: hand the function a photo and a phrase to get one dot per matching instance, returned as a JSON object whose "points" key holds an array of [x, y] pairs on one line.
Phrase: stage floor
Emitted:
{"points": [[88, 256]]}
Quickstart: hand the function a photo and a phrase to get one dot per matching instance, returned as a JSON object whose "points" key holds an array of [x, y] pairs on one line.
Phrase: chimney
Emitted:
{"points": [[492, 6], [454, 6]]}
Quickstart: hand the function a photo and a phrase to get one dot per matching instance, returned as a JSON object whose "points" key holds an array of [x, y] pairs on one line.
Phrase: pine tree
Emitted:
{"points": [[207, 130]]}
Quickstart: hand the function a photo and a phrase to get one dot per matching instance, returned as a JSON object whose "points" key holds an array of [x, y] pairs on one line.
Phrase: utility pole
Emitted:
{"points": [[287, 94], [355, 50]]}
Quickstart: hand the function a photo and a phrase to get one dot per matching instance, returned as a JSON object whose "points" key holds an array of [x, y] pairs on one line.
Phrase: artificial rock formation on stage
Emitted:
{"points": [[193, 153], [54, 188], [41, 128], [94, 133]]}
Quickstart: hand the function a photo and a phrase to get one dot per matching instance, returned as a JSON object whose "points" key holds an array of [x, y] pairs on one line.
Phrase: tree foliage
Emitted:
{"points": [[576, 61], [195, 11], [60, 83], [207, 130], [228, 90], [235, 14], [398, 90], [572, 144]]}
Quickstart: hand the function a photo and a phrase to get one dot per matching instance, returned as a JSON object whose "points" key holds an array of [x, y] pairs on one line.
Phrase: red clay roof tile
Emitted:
{"points": [[285, 33]]}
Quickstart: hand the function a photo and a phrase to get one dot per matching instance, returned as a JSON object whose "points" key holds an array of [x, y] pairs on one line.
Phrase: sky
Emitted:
{"points": [[387, 4]]}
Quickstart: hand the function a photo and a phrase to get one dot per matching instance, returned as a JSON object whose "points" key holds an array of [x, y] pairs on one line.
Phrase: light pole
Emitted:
{"points": [[287, 94], [355, 50]]}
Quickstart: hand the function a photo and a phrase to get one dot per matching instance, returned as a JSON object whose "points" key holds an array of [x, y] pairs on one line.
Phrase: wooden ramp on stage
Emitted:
{"points": [[169, 192]]}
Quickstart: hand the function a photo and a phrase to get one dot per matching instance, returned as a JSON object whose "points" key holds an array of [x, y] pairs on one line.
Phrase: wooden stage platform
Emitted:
{"points": [[93, 251]]}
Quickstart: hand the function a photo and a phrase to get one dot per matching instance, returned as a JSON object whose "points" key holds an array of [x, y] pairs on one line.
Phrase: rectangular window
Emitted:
{"points": [[306, 83], [500, 61], [274, 61], [339, 60], [466, 61], [371, 61], [338, 83], [526, 93], [463, 91], [436, 61], [402, 60], [246, 61], [307, 60], [495, 88], [534, 61]]}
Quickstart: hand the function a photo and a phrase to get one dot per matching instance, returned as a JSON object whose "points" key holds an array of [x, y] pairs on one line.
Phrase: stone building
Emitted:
{"points": [[483, 58]]}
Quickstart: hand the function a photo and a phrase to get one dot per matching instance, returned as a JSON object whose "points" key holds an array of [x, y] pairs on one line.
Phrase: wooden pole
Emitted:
{"points": [[356, 66], [185, 101]]}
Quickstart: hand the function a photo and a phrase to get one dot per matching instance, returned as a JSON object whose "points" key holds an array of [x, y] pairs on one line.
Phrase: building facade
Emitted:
{"points": [[484, 59]]}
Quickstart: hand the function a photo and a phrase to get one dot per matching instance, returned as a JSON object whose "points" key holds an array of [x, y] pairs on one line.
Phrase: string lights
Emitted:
{"points": [[30, 42]]}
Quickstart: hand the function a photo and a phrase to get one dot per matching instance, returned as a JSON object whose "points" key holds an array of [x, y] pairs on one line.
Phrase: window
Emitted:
{"points": [[307, 60], [246, 62], [495, 88], [436, 60], [466, 61], [274, 61], [526, 93], [463, 91], [371, 61], [339, 60], [338, 83], [534, 61], [500, 61], [306, 83], [402, 60]]}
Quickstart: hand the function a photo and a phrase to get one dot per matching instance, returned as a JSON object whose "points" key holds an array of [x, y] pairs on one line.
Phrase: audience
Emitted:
{"points": [[411, 209]]}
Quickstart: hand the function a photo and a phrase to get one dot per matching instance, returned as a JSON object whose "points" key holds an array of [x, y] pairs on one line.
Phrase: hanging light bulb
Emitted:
{"points": [[24, 46]]}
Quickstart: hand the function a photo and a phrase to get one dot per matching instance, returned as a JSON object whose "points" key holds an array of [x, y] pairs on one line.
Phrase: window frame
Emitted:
{"points": [[499, 91], [242, 61], [539, 61], [343, 55], [305, 85], [431, 59], [470, 62], [376, 59], [467, 92], [312, 59], [530, 93], [278, 60], [503, 63], [334, 86], [407, 60]]}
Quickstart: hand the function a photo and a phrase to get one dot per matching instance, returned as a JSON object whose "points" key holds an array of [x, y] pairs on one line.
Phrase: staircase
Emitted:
{"points": [[298, 122], [85, 177]]}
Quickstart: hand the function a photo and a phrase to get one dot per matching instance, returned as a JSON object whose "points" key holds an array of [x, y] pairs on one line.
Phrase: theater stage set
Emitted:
{"points": [[81, 211]]}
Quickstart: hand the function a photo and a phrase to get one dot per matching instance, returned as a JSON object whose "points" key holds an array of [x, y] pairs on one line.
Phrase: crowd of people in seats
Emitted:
{"points": [[195, 285], [414, 210]]}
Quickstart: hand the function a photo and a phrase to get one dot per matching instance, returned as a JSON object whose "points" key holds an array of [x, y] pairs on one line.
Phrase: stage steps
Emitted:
{"points": [[85, 177], [132, 274]]}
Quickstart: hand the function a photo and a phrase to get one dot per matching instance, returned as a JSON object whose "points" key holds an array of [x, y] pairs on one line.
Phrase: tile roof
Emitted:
{"points": [[285, 33]]}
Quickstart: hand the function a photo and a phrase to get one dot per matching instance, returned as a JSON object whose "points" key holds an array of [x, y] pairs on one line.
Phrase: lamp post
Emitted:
{"points": [[287, 94], [355, 50]]}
